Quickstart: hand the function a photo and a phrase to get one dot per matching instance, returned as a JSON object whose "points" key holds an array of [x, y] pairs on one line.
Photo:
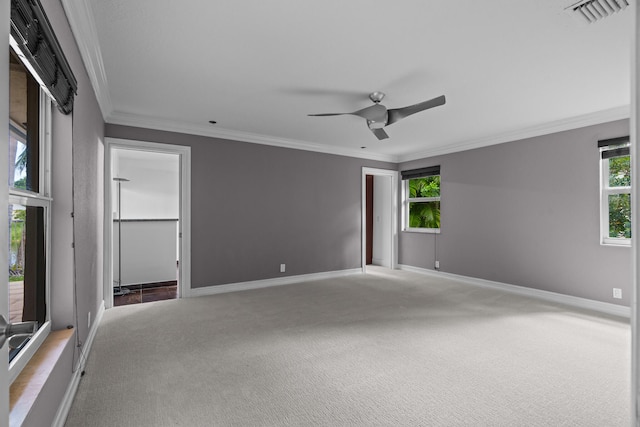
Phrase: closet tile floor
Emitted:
{"points": [[156, 292]]}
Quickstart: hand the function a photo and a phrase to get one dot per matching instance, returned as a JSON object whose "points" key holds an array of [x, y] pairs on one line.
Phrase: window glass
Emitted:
{"points": [[18, 150], [620, 171], [620, 216], [24, 115], [424, 187], [424, 214], [26, 268]]}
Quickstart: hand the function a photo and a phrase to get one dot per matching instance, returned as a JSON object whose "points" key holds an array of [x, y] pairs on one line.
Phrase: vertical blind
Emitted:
{"points": [[420, 173], [611, 147], [32, 31]]}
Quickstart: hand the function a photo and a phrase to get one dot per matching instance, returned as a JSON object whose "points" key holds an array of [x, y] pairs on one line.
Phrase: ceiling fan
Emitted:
{"points": [[378, 116]]}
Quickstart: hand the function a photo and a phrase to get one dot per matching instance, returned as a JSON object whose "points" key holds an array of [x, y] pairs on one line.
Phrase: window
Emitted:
{"points": [[615, 191], [29, 205], [39, 75], [422, 199]]}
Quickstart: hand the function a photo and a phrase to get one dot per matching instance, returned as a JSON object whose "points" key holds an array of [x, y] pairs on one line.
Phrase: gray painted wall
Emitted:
{"points": [[526, 213], [88, 148], [255, 207]]}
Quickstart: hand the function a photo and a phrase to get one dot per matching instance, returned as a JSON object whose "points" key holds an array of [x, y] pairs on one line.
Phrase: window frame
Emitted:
{"points": [[605, 191], [41, 198], [406, 201]]}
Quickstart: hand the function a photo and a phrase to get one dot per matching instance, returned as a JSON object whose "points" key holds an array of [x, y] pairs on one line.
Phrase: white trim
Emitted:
{"points": [[266, 283], [72, 388], [136, 120], [184, 269], [422, 230], [80, 16], [613, 241], [394, 214], [5, 17], [634, 412], [577, 302], [570, 123]]}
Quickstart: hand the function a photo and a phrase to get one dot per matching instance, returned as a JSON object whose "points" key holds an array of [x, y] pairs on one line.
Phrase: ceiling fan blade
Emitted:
{"points": [[327, 114], [396, 114], [374, 113], [380, 133]]}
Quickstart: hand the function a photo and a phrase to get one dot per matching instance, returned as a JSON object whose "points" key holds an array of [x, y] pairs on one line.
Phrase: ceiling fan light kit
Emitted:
{"points": [[378, 116]]}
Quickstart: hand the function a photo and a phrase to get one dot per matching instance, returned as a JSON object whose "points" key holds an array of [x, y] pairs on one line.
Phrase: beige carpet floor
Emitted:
{"points": [[390, 348]]}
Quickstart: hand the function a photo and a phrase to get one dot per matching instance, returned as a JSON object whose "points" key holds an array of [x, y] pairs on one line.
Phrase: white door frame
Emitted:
{"points": [[392, 205], [184, 220], [5, 15], [635, 217]]}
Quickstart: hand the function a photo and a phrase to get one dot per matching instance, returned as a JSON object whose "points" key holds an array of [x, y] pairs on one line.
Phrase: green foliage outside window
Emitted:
{"points": [[16, 246], [620, 216], [424, 187], [620, 171], [620, 204], [424, 214]]}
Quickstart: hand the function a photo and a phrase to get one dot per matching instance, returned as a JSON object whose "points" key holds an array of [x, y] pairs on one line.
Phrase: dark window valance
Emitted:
{"points": [[611, 147], [420, 173], [36, 40]]}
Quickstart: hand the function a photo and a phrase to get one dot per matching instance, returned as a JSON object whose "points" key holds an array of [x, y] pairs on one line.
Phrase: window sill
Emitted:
{"points": [[616, 244], [25, 389], [621, 243], [422, 230]]}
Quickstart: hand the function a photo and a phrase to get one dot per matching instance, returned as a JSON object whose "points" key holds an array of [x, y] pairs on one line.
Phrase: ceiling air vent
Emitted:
{"points": [[594, 10]]}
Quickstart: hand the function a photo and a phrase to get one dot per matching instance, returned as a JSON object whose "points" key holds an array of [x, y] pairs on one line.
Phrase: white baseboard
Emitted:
{"points": [[72, 388], [583, 303], [279, 281]]}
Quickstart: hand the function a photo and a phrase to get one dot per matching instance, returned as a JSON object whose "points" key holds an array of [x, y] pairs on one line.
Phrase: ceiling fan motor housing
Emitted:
{"points": [[376, 96]]}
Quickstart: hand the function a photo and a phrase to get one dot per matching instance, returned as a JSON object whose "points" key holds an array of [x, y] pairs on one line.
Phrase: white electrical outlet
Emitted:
{"points": [[437, 264], [283, 267], [89, 320], [617, 293]]}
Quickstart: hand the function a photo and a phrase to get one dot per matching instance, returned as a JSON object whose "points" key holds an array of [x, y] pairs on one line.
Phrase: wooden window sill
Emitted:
{"points": [[27, 386]]}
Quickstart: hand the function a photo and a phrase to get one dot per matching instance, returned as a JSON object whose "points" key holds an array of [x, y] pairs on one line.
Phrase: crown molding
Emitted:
{"points": [[129, 119], [570, 123], [136, 120], [80, 16]]}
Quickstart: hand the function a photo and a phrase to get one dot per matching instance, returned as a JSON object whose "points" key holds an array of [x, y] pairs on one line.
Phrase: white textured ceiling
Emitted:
{"points": [[509, 69]]}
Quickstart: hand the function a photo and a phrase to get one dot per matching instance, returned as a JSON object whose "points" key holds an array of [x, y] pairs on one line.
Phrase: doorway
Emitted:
{"points": [[146, 222], [379, 217]]}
